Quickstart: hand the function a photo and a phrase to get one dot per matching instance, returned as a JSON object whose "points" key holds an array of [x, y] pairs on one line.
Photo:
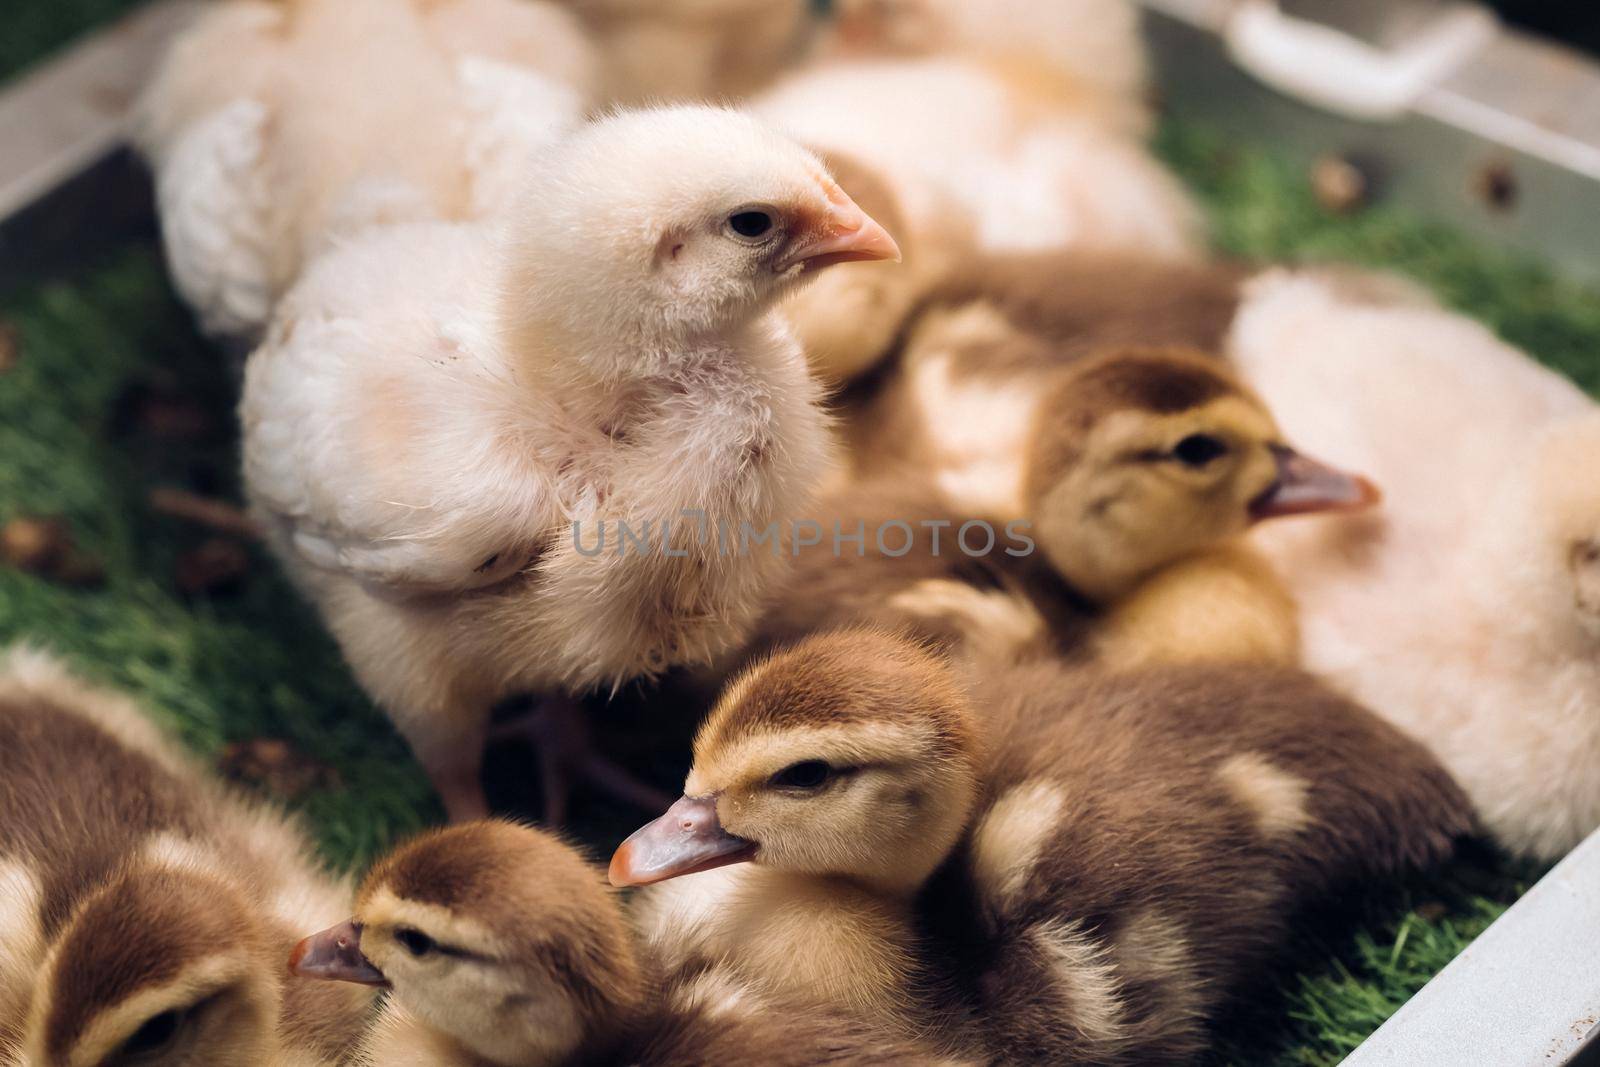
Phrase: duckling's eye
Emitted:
{"points": [[809, 774], [1198, 449], [415, 942], [156, 1034], [751, 225]]}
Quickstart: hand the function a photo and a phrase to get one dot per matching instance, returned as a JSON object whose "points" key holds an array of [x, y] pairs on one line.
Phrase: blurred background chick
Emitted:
{"points": [[656, 51], [1467, 609], [276, 126], [989, 139]]}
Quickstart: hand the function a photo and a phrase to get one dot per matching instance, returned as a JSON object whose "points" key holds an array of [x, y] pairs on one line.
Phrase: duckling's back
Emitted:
{"points": [[1146, 837]]}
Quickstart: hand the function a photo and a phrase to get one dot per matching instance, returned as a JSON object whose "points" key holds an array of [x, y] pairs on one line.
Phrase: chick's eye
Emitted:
{"points": [[751, 224], [156, 1034], [1198, 449], [414, 941], [810, 774]]}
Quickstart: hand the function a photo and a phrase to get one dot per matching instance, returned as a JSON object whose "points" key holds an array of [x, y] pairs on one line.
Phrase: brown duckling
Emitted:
{"points": [[982, 346], [1081, 885], [145, 909], [502, 947], [1117, 524]]}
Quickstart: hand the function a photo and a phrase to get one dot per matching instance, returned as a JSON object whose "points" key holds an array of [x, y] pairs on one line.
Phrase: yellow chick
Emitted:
{"points": [[1467, 610], [449, 426]]}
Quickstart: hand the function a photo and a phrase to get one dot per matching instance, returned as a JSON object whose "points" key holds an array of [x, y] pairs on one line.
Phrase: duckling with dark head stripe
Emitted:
{"points": [[144, 909], [1048, 866], [1141, 471], [501, 946]]}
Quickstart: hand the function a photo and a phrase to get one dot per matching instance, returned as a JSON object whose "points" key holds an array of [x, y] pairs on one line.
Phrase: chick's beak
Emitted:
{"points": [[687, 839], [334, 955], [1305, 486], [841, 233]]}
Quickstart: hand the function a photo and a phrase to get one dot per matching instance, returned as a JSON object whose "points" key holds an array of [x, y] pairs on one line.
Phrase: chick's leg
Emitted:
{"points": [[461, 792], [451, 752], [567, 755]]}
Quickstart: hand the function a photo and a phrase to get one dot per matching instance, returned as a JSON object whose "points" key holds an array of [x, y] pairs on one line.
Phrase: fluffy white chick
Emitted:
{"points": [[991, 128], [1467, 609], [654, 50], [437, 406], [273, 126]]}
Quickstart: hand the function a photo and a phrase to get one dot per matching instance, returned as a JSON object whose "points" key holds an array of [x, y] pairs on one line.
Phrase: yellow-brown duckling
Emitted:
{"points": [[1062, 867], [1122, 517], [144, 909], [501, 946]]}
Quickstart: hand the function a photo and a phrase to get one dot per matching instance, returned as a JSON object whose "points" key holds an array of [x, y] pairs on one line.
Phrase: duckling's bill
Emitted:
{"points": [[334, 955], [688, 839], [1305, 486]]}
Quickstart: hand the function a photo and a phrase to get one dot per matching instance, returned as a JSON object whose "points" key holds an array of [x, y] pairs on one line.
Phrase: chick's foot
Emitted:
{"points": [[567, 755]]}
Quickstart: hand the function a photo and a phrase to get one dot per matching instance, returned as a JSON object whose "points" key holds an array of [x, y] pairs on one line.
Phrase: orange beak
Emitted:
{"points": [[689, 838], [334, 955], [1305, 486], [843, 233]]}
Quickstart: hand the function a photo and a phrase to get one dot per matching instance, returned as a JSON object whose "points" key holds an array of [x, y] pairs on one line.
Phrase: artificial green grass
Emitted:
{"points": [[234, 667]]}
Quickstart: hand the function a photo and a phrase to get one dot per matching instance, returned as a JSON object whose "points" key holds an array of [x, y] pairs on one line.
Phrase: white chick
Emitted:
{"points": [[273, 126], [692, 50], [1467, 609], [447, 423], [995, 135]]}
